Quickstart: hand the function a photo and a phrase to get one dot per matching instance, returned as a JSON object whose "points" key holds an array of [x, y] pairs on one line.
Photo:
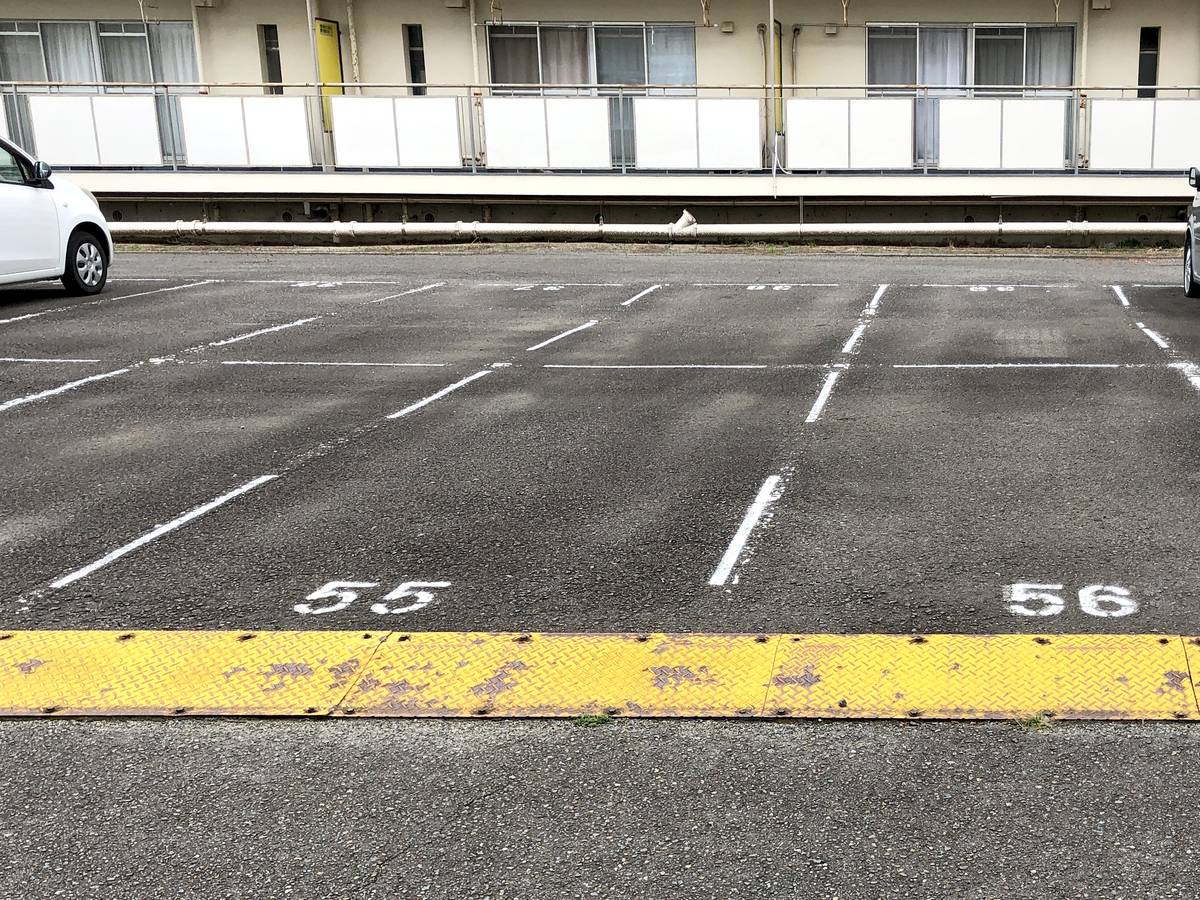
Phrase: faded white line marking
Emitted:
{"points": [[854, 338], [679, 366], [44, 359], [873, 306], [767, 495], [159, 532], [636, 297], [559, 337], [527, 285], [386, 365], [70, 386], [103, 299], [1021, 366], [31, 315], [439, 395], [261, 331], [823, 397], [1116, 289], [1190, 371], [1154, 336], [763, 284], [419, 290]]}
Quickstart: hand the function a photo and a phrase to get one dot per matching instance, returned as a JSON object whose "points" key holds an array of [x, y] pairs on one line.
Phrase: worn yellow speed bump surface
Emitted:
{"points": [[321, 673]]}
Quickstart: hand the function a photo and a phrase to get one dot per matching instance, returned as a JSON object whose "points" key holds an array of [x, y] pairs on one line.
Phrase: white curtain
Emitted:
{"points": [[125, 57], [70, 53], [1050, 56], [565, 56], [173, 52], [891, 55], [943, 61], [21, 58]]}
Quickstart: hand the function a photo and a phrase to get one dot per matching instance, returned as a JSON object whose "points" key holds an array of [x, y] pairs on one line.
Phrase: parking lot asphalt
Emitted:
{"points": [[572, 441]]}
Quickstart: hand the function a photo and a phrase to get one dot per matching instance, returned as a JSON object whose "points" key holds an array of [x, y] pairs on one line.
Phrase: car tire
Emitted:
{"points": [[86, 270]]}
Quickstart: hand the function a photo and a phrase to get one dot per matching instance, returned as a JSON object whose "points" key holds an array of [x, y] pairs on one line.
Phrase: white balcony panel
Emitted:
{"points": [[277, 132], [665, 135], [514, 131], [364, 132], [214, 131], [1122, 134], [728, 133], [577, 132], [127, 131], [1177, 134], [881, 133], [818, 133], [1035, 133], [427, 133], [64, 130], [969, 132]]}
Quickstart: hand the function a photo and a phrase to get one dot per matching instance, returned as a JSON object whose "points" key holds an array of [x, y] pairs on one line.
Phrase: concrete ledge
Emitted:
{"points": [[478, 674], [613, 186]]}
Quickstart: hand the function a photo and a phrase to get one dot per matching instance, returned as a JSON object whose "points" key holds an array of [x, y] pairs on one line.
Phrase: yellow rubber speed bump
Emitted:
{"points": [[978, 676], [179, 672], [315, 673], [478, 674]]}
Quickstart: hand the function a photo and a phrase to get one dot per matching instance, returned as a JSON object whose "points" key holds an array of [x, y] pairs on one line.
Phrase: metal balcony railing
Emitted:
{"points": [[661, 128]]}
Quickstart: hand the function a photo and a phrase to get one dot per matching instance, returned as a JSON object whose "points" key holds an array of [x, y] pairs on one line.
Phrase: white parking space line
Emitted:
{"points": [[439, 395], [1158, 339], [767, 495], [31, 315], [763, 285], [823, 397], [1116, 289], [854, 338], [261, 331], [559, 337], [103, 299], [383, 365], [417, 290], [530, 285], [864, 319], [44, 359], [1190, 371], [63, 388], [1022, 366], [672, 366], [159, 532], [647, 292]]}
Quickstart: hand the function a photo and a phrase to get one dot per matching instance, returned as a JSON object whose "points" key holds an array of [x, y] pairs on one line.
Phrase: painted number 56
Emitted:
{"points": [[1107, 601], [342, 593]]}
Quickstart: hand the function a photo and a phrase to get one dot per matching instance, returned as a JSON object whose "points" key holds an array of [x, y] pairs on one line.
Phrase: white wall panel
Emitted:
{"points": [[427, 133], [64, 131], [728, 132], [1177, 134], [213, 131], [514, 131], [665, 134], [818, 133], [881, 133], [364, 132], [969, 132], [277, 131], [127, 131], [577, 130], [1035, 133], [1122, 134]]}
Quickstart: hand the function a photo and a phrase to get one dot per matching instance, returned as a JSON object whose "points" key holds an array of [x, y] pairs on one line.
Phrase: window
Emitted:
{"points": [[892, 55], [21, 52], [416, 57], [11, 170], [999, 57], [268, 48], [514, 54], [124, 52], [1148, 46]]}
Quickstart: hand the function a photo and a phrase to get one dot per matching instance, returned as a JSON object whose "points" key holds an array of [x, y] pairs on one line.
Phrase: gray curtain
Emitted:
{"points": [[565, 55], [891, 55], [125, 57], [514, 54], [999, 56], [620, 55], [21, 58], [1050, 56]]}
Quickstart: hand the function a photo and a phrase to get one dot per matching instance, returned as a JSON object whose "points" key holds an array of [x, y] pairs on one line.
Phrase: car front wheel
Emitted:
{"points": [[87, 267]]}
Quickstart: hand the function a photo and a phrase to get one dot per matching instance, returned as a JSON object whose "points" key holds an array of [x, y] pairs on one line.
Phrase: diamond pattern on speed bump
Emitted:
{"points": [[481, 674], [179, 672], [975, 676]]}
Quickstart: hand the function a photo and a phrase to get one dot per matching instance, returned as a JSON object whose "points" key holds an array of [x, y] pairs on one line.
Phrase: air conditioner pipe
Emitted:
{"points": [[685, 230]]}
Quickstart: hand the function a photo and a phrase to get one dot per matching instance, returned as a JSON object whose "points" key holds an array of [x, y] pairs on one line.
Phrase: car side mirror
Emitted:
{"points": [[42, 172], [1194, 178]]}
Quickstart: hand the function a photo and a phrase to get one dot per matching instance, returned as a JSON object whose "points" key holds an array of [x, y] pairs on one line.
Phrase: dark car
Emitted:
{"points": [[1191, 243]]}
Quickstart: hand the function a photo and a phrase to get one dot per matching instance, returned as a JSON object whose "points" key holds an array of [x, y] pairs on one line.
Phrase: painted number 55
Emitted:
{"points": [[1107, 601], [343, 593]]}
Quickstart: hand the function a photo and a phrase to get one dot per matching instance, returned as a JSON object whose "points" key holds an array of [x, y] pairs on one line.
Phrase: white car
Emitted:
{"points": [[49, 229]]}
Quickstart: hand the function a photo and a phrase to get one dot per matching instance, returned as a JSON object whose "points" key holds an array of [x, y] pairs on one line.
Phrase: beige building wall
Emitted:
{"points": [[229, 44]]}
